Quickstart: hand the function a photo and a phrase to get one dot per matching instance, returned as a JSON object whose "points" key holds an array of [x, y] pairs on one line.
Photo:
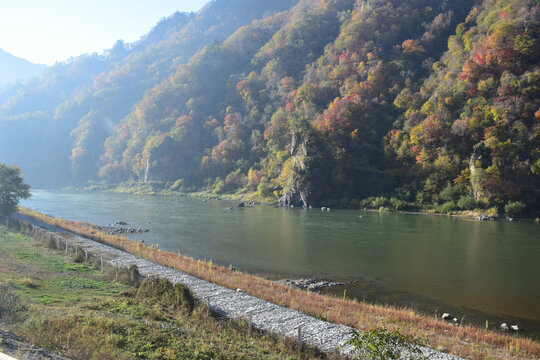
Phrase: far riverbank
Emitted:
{"points": [[380, 204]]}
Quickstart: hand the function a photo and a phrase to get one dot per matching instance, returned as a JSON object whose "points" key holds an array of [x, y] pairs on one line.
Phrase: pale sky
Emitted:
{"points": [[46, 31]]}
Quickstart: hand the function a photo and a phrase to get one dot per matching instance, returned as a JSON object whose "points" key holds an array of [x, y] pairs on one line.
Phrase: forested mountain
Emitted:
{"points": [[13, 68], [317, 102], [64, 117]]}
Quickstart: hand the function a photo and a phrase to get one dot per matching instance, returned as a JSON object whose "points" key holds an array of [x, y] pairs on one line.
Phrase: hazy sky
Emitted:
{"points": [[46, 31]]}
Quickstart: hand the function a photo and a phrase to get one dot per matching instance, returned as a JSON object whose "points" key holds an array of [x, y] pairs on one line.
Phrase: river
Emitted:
{"points": [[475, 270]]}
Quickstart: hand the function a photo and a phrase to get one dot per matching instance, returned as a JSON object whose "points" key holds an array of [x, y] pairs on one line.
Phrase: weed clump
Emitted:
{"points": [[127, 276], [130, 276], [50, 243], [11, 308], [78, 257], [29, 282], [175, 296], [383, 344]]}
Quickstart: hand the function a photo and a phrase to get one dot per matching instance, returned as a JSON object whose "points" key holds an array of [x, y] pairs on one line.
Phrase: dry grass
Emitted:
{"points": [[464, 341]]}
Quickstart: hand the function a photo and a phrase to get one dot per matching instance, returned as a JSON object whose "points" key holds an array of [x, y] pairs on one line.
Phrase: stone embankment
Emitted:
{"points": [[327, 337]]}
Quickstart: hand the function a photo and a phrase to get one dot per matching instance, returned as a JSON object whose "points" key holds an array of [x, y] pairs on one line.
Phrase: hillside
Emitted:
{"points": [[393, 104], [13, 68], [81, 100]]}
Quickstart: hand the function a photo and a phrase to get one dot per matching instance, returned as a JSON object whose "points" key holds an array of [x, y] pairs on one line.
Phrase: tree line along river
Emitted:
{"points": [[473, 269]]}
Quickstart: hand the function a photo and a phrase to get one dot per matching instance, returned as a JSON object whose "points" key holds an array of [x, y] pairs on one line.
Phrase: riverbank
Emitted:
{"points": [[270, 318], [465, 341], [63, 301], [378, 204]]}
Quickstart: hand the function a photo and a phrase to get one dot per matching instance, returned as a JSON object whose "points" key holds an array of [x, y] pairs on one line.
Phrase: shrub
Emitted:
{"points": [[234, 180], [422, 197], [50, 243], [447, 207], [219, 187], [264, 189], [404, 194], [383, 344], [514, 208], [10, 305], [178, 185], [79, 257], [130, 276], [176, 296], [381, 201], [29, 282], [493, 211], [375, 202], [449, 193], [397, 204], [466, 203]]}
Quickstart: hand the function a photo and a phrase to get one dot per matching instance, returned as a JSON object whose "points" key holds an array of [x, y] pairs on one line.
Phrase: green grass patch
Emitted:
{"points": [[60, 265], [68, 290], [82, 313], [77, 282], [25, 255]]}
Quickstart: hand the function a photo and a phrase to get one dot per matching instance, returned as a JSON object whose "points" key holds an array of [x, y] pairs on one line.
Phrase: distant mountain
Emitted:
{"points": [[13, 68]]}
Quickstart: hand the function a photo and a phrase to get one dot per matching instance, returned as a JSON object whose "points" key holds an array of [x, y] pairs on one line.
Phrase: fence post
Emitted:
{"points": [[300, 339], [249, 313], [207, 300], [101, 257]]}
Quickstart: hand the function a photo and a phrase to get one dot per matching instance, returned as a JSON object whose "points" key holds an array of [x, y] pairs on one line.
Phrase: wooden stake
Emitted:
{"points": [[300, 340], [249, 313]]}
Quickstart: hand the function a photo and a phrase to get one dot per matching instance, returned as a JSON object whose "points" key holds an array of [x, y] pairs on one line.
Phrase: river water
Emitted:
{"points": [[475, 270]]}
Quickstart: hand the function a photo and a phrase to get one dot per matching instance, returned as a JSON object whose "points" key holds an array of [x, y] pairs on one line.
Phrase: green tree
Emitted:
{"points": [[12, 189]]}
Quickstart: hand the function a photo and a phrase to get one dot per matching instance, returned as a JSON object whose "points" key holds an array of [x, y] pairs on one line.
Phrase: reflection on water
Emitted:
{"points": [[486, 268]]}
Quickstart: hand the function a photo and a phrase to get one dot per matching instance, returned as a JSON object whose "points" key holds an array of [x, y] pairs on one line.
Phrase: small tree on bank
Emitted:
{"points": [[12, 189]]}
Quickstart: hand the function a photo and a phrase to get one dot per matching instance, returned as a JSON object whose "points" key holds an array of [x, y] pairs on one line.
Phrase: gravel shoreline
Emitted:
{"points": [[325, 336]]}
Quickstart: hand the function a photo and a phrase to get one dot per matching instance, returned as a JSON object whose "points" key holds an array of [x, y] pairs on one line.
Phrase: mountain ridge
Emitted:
{"points": [[336, 102], [14, 68]]}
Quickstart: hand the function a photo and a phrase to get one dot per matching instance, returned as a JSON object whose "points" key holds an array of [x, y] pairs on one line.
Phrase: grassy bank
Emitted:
{"points": [[79, 312], [465, 341]]}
